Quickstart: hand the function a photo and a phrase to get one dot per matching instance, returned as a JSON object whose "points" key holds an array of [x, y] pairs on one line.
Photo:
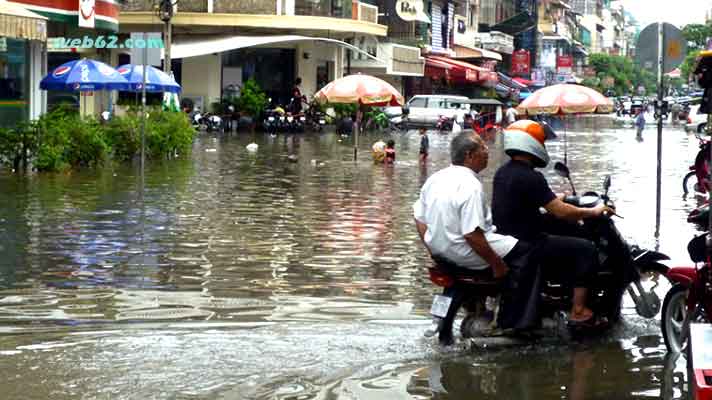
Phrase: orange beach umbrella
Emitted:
{"points": [[565, 99], [362, 89]]}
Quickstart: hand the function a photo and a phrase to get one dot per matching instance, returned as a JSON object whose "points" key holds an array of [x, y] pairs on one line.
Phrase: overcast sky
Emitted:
{"points": [[676, 12]]}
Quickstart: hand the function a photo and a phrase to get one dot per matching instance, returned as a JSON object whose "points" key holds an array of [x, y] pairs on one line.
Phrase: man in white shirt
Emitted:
{"points": [[511, 115], [453, 218]]}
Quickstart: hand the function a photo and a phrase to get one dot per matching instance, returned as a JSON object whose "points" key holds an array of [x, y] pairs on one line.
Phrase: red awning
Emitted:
{"points": [[455, 70], [525, 82]]}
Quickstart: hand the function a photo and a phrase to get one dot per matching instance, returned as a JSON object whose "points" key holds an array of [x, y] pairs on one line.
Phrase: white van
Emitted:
{"points": [[427, 109]]}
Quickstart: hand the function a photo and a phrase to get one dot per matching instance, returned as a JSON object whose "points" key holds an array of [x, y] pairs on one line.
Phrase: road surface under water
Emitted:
{"points": [[243, 275]]}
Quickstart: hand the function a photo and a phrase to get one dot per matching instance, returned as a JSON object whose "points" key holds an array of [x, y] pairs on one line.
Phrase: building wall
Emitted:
{"points": [[202, 77], [319, 53]]}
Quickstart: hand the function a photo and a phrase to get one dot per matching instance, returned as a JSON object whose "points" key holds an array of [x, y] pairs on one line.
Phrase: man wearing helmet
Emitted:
{"points": [[519, 191]]}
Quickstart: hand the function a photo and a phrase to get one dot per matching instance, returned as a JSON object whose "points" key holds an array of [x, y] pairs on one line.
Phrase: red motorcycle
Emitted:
{"points": [[690, 298], [699, 170]]}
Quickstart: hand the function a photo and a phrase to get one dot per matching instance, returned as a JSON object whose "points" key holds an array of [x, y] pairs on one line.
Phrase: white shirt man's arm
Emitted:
{"points": [[422, 228], [479, 244]]}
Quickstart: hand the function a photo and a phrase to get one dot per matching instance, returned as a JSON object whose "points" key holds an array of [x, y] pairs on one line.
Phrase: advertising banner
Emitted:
{"points": [[564, 64], [521, 61]]}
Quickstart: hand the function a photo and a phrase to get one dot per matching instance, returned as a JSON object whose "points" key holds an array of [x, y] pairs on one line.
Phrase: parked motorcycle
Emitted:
{"points": [[689, 299], [622, 269], [315, 118], [699, 170]]}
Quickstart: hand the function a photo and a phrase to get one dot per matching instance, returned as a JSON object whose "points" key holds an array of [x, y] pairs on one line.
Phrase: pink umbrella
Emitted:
{"points": [[361, 89], [565, 99]]}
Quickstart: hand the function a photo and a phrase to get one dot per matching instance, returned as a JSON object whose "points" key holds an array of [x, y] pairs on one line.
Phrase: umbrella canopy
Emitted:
{"points": [[565, 99], [156, 80], [84, 75], [362, 89]]}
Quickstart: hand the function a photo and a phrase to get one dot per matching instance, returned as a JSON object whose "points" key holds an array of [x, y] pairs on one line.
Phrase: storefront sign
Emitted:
{"points": [[87, 12], [564, 64], [411, 10], [521, 62], [538, 77]]}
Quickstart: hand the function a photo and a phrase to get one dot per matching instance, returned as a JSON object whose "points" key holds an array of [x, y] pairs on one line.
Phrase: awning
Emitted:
{"points": [[555, 38], [581, 50], [517, 24], [525, 82], [508, 81], [453, 70], [201, 47], [475, 52], [19, 23]]}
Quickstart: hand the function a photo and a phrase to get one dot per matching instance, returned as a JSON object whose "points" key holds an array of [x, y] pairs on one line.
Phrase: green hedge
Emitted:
{"points": [[62, 139]]}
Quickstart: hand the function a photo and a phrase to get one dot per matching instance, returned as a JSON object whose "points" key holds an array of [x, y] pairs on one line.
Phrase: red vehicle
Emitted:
{"points": [[699, 170], [690, 298]]}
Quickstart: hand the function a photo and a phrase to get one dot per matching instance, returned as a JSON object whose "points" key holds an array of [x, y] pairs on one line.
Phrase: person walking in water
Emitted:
{"points": [[424, 146], [639, 125]]}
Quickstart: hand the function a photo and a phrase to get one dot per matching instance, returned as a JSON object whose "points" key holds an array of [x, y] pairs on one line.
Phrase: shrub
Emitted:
{"points": [[252, 99], [344, 110], [168, 132], [123, 135]]}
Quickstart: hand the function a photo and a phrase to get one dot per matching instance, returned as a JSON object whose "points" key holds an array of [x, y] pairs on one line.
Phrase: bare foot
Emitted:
{"points": [[581, 315]]}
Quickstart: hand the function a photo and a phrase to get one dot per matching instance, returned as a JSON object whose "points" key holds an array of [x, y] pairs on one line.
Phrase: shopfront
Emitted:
{"points": [[22, 34]]}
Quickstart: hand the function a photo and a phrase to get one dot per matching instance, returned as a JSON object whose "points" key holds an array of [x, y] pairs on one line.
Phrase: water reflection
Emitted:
{"points": [[292, 277]]}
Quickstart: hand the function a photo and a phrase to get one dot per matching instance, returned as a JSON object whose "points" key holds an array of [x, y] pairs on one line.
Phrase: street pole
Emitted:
{"points": [[143, 148], [168, 33], [659, 107]]}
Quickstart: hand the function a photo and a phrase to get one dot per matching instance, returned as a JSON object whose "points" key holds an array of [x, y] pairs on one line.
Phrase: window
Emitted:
{"points": [[417, 102], [436, 103]]}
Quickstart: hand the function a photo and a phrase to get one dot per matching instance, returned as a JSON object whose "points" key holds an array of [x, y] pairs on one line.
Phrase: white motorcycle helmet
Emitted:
{"points": [[527, 136]]}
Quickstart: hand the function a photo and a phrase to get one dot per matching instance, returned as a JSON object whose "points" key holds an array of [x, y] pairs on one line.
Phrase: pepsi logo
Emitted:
{"points": [[124, 70], [59, 71], [106, 70]]}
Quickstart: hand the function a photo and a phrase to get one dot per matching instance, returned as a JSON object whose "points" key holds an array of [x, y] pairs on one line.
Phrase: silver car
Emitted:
{"points": [[427, 109]]}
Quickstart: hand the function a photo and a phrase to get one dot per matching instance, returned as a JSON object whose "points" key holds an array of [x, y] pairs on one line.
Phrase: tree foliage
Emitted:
{"points": [[627, 77], [696, 35]]}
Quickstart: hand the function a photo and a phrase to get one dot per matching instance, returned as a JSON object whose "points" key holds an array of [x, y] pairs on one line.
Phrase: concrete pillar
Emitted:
{"points": [[202, 77], [38, 68]]}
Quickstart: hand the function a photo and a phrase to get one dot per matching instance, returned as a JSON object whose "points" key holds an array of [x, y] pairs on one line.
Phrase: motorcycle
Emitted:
{"points": [[622, 269], [212, 122], [689, 299], [315, 119], [700, 215], [444, 124], [699, 170], [275, 121], [383, 120]]}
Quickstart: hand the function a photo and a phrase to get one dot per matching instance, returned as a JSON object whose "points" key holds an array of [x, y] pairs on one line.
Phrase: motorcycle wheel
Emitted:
{"points": [[672, 317], [687, 185]]}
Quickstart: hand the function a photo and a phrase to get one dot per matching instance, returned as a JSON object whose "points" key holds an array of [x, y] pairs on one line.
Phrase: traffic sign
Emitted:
{"points": [[674, 48]]}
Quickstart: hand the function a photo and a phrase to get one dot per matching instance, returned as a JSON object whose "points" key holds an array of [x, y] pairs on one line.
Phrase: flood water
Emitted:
{"points": [[239, 275]]}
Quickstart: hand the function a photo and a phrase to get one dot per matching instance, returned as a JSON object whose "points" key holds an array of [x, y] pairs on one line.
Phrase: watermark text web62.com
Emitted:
{"points": [[104, 42]]}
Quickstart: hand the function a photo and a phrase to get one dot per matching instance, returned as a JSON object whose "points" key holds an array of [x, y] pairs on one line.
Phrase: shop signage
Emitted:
{"points": [[411, 10], [564, 64], [539, 77], [521, 62], [87, 12]]}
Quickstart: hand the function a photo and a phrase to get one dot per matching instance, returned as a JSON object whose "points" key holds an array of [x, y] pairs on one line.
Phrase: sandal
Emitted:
{"points": [[593, 322]]}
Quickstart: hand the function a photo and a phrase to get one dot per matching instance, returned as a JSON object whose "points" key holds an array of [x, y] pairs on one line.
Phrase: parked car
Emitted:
{"points": [[427, 109], [696, 122]]}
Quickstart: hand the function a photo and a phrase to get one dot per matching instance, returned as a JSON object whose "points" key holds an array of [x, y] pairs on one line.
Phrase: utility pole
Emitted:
{"points": [[165, 13]]}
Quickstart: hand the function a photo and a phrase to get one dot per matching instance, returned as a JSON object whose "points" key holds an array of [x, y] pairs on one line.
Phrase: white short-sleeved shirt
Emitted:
{"points": [[452, 204]]}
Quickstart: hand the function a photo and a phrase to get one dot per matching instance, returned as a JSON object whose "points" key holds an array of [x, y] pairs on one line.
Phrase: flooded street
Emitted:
{"points": [[241, 275]]}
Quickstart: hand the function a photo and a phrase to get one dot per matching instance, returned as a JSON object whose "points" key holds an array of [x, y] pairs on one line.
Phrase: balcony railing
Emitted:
{"points": [[324, 8], [320, 8]]}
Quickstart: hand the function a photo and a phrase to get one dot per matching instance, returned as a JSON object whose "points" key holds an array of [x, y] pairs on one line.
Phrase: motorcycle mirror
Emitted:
{"points": [[562, 170], [607, 183]]}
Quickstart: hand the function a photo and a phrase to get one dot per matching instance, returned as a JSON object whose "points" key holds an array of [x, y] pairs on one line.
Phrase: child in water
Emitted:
{"points": [[390, 152]]}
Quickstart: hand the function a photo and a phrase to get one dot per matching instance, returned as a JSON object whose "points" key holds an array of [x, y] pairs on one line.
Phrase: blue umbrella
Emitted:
{"points": [[84, 75], [156, 80]]}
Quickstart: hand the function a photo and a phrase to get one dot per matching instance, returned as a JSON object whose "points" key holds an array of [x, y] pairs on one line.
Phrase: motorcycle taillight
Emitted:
{"points": [[440, 278]]}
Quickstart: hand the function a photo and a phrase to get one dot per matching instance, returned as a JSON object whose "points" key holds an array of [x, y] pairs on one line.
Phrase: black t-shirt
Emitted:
{"points": [[517, 194]]}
